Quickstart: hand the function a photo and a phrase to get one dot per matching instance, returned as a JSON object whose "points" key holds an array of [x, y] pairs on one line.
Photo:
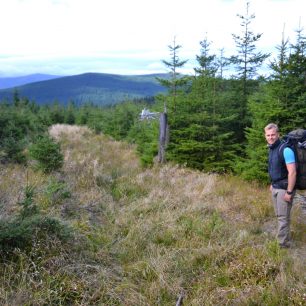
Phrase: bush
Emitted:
{"points": [[21, 233], [28, 207], [13, 150], [18, 125], [30, 225], [47, 153]]}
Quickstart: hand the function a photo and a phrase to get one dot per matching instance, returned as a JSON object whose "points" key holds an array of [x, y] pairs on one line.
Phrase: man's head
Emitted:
{"points": [[271, 133]]}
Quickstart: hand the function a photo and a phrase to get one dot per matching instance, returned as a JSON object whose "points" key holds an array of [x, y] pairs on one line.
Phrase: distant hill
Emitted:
{"points": [[22, 80], [97, 88]]}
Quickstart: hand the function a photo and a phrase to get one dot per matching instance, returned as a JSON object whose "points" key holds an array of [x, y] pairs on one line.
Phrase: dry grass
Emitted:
{"points": [[146, 236]]}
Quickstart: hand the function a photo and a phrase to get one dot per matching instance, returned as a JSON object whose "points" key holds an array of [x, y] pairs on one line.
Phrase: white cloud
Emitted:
{"points": [[74, 36]]}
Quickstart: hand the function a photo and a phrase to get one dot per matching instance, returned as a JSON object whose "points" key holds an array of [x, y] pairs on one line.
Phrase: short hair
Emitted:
{"points": [[271, 126]]}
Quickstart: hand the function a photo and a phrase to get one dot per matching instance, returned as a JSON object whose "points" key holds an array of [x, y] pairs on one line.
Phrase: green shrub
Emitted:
{"points": [[47, 153], [13, 149], [28, 207], [29, 225], [18, 124], [21, 233]]}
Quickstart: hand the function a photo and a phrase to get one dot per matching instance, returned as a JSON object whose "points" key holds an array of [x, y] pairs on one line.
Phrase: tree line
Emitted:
{"points": [[216, 122]]}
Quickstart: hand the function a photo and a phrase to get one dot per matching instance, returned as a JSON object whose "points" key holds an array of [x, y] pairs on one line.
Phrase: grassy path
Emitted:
{"points": [[148, 236]]}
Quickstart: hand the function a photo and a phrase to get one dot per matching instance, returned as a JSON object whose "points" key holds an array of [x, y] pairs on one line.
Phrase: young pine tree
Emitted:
{"points": [[200, 137], [176, 83], [247, 62]]}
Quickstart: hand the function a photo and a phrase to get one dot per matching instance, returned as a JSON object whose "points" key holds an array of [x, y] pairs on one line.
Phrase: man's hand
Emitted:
{"points": [[288, 197]]}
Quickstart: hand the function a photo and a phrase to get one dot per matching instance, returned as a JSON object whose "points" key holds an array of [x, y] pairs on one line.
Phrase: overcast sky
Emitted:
{"points": [[66, 37]]}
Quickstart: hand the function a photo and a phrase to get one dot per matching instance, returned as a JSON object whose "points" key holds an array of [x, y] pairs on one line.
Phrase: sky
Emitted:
{"points": [[131, 37]]}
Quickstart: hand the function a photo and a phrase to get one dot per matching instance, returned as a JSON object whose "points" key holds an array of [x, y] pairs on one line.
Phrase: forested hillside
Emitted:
{"points": [[96, 88], [11, 82]]}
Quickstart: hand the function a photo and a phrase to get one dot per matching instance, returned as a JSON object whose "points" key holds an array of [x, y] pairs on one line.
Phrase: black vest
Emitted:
{"points": [[277, 167]]}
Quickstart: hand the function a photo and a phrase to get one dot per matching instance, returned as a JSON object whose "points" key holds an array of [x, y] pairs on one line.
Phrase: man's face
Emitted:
{"points": [[271, 136]]}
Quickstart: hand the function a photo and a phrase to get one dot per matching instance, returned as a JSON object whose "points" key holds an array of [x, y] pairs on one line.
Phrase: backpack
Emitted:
{"points": [[296, 140]]}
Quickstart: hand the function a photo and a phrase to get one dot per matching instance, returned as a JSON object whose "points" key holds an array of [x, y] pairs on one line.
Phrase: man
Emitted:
{"points": [[282, 171]]}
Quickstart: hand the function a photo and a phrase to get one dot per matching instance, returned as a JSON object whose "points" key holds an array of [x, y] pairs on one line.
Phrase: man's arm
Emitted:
{"points": [[291, 180], [289, 157]]}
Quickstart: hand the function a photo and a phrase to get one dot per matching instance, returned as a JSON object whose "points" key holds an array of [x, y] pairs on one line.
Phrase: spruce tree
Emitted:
{"points": [[247, 62], [288, 82], [222, 63], [208, 65], [176, 83], [295, 83], [200, 137]]}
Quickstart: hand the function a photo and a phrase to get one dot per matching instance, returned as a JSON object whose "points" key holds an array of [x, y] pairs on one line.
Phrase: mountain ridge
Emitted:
{"points": [[96, 88], [11, 82]]}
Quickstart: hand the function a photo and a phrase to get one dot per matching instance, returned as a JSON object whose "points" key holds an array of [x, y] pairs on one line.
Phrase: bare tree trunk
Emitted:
{"points": [[163, 137], [179, 301]]}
